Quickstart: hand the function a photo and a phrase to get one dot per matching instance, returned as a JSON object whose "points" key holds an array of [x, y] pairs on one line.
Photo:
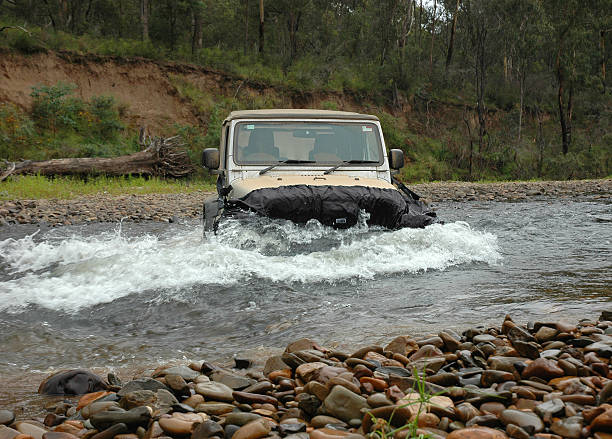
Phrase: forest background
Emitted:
{"points": [[469, 89]]}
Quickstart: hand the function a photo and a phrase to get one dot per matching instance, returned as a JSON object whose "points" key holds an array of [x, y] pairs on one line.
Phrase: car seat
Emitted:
{"points": [[261, 142], [325, 149]]}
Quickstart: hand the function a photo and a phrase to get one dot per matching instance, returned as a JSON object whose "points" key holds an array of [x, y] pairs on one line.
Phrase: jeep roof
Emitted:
{"points": [[297, 114]]}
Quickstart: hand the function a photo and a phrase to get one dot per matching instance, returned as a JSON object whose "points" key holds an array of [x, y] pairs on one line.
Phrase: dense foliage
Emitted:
{"points": [[527, 78]]}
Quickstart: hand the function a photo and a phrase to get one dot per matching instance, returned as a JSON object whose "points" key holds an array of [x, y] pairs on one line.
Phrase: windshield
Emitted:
{"points": [[326, 143]]}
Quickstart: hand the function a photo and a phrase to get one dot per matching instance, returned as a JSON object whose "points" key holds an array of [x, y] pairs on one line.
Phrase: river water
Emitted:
{"points": [[123, 295]]}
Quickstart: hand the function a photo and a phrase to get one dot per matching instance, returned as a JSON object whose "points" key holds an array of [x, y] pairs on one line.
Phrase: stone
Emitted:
{"points": [[133, 418], [490, 377], [254, 398], [542, 368], [545, 334], [526, 349], [568, 428], [307, 371], [548, 409], [378, 400], [138, 398], [603, 422], [516, 432], [273, 363], [215, 391], [29, 429], [174, 426], [317, 389], [207, 429], [291, 428], [111, 432], [72, 382], [141, 384], [91, 397], [214, 408], [518, 333], [6, 417], [178, 385], [488, 420], [235, 382], [328, 433], [451, 340], [303, 344], [344, 404], [321, 421], [494, 408], [241, 418], [528, 421], [466, 411], [603, 397], [194, 400], [402, 345], [51, 420], [477, 433], [483, 338], [58, 435], [184, 372], [253, 430]]}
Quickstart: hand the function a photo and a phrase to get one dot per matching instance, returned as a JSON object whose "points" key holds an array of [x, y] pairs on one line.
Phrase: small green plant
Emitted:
{"points": [[384, 427], [52, 108]]}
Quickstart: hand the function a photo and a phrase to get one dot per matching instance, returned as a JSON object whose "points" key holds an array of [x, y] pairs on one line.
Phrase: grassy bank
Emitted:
{"points": [[31, 187]]}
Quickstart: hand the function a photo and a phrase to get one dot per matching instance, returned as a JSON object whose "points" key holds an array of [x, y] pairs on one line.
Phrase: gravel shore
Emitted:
{"points": [[169, 207], [546, 380]]}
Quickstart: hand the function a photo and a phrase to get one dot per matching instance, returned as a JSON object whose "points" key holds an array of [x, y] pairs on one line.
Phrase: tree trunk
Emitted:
{"points": [[261, 26], [522, 99], [162, 158], [564, 117], [196, 41], [451, 41], [144, 19], [433, 35], [246, 27], [602, 49]]}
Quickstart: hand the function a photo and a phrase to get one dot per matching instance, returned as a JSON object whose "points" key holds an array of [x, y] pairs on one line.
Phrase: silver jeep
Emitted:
{"points": [[299, 165]]}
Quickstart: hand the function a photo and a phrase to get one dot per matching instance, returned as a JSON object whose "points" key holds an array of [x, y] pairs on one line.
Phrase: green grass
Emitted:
{"points": [[32, 187]]}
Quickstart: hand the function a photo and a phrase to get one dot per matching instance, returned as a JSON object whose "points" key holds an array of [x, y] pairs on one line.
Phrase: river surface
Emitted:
{"points": [[114, 296]]}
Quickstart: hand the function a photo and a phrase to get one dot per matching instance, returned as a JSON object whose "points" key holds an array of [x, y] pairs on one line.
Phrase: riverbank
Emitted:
{"points": [[171, 207], [548, 379]]}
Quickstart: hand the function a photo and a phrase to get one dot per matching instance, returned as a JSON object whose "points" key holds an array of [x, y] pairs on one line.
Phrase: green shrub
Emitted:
{"points": [[106, 122], [52, 108]]}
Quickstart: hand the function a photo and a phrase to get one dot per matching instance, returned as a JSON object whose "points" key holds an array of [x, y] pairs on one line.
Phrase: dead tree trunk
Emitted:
{"points": [[261, 26], [144, 19], [162, 158], [451, 42]]}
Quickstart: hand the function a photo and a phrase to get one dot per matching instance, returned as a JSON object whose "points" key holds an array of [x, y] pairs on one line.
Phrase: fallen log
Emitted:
{"points": [[163, 158]]}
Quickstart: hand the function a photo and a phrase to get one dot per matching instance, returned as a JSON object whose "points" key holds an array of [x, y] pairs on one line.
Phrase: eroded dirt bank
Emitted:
{"points": [[169, 207]]}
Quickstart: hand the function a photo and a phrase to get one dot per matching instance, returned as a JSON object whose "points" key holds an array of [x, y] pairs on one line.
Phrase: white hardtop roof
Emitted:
{"points": [[298, 114]]}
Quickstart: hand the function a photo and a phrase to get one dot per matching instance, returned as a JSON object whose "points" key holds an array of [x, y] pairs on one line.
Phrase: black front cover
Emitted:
{"points": [[338, 206]]}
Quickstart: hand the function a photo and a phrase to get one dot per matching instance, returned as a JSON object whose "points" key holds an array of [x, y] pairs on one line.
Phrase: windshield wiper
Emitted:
{"points": [[347, 162], [282, 162]]}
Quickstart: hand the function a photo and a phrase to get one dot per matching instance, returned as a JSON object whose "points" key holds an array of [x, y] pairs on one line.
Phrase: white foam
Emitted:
{"points": [[82, 271]]}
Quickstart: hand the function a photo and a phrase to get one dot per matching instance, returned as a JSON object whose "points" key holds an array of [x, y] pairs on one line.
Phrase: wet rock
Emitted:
{"points": [[303, 344], [477, 433], [111, 432], [545, 334], [262, 387], [253, 430], [58, 435], [548, 409], [242, 363], [274, 363], [194, 400], [490, 377], [542, 368], [516, 432], [175, 426], [206, 430], [29, 429], [568, 428], [526, 349], [344, 404], [214, 408], [72, 382], [484, 421], [177, 384], [51, 420], [141, 384], [378, 400], [7, 433], [291, 428], [321, 421], [603, 422], [241, 418], [133, 418], [184, 372], [317, 389], [6, 417], [235, 382], [308, 403], [528, 421], [215, 391], [604, 396], [517, 333]]}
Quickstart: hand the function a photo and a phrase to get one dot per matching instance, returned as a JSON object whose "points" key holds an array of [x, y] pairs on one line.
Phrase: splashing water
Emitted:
{"points": [[80, 271]]}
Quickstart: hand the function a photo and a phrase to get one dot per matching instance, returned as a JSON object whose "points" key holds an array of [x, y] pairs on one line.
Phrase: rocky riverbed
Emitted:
{"points": [[544, 380], [170, 207]]}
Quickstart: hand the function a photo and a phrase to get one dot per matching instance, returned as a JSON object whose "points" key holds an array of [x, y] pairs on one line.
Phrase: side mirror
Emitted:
{"points": [[210, 158], [396, 159]]}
